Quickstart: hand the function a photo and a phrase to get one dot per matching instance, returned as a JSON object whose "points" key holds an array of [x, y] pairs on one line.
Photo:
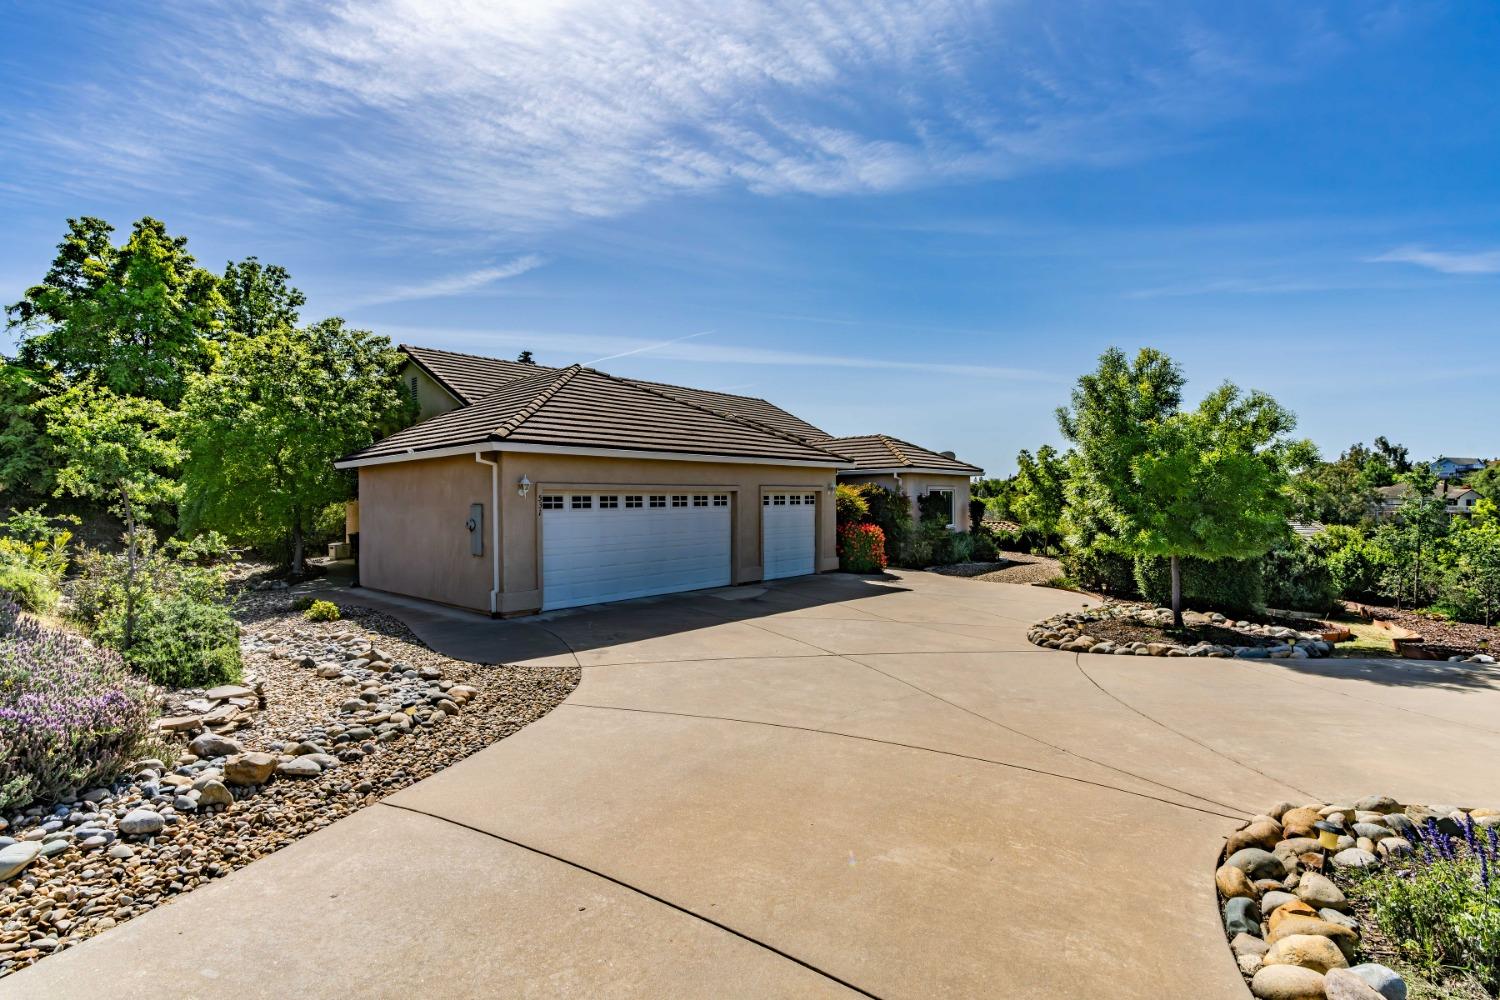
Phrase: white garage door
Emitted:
{"points": [[788, 525], [599, 547]]}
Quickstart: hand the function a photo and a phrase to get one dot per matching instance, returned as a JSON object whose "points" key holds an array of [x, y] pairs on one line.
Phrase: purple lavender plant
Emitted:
{"points": [[71, 714]]}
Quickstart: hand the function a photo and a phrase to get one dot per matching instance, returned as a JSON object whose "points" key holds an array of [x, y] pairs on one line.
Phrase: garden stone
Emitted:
{"points": [[1394, 847], [1320, 892], [1287, 982], [1264, 835], [213, 745], [1382, 980], [1248, 944], [252, 768], [1371, 832], [1300, 924], [1335, 917], [1275, 899], [15, 858], [1378, 804], [1343, 984], [1257, 863], [1233, 883], [1242, 916], [1353, 857], [1310, 951], [300, 767], [142, 823], [214, 793]]}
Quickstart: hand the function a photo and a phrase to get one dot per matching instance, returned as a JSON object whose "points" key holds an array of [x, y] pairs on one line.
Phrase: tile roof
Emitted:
{"points": [[880, 451], [581, 407], [472, 377]]}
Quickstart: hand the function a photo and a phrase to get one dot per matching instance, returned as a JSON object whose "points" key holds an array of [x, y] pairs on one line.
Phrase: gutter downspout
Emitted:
{"points": [[494, 530]]}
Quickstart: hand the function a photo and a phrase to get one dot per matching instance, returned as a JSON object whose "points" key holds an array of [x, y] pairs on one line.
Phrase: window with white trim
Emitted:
{"points": [[658, 501], [582, 501], [810, 499], [632, 502], [952, 518], [552, 501], [721, 500], [609, 502], [679, 500], [700, 500]]}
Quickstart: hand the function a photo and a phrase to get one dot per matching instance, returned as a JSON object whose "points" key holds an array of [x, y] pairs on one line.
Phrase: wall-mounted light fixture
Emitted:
{"points": [[832, 487], [524, 486]]}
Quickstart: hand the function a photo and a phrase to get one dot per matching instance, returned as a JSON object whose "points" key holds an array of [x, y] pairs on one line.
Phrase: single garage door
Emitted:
{"points": [[788, 525], [599, 547]]}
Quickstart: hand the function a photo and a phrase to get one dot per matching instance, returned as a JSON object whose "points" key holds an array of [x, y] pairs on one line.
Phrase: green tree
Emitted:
{"points": [[1486, 482], [525, 358], [1395, 455], [1476, 547], [1340, 492], [1040, 492], [136, 319], [1411, 539], [26, 455], [116, 451], [263, 429], [1209, 484], [258, 298]]}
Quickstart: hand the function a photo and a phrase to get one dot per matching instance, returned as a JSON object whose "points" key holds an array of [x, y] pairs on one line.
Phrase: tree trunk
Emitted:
{"points": [[297, 546], [130, 569], [1176, 593]]}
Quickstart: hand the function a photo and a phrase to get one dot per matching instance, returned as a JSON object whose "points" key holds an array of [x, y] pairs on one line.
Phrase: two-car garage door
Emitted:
{"points": [[600, 547]]}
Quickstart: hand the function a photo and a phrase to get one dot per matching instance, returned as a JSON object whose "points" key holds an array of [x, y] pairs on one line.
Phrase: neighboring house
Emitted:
{"points": [[526, 488], [908, 469], [1449, 467], [1307, 529], [1457, 498]]}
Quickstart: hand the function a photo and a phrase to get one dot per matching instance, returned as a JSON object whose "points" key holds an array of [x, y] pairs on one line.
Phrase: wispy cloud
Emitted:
{"points": [[533, 115], [458, 284], [650, 347], [1444, 261]]}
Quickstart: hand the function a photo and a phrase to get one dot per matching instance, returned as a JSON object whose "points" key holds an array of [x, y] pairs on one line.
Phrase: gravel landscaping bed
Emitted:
{"points": [[1129, 629], [1012, 567], [1292, 898], [331, 717]]}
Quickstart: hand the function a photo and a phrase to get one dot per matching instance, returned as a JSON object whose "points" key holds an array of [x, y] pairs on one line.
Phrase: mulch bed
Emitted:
{"points": [[1440, 637]]}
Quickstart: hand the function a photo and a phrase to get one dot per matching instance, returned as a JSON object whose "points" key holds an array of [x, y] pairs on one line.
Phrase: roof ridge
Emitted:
{"points": [[466, 354], [508, 427], [721, 414], [891, 443]]}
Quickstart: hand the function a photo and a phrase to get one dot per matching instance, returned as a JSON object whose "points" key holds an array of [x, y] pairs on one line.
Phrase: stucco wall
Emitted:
{"points": [[413, 540], [432, 398], [914, 484]]}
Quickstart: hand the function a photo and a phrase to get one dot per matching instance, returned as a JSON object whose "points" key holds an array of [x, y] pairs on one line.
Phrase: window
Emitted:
{"points": [[632, 502], [679, 501], [779, 500], [551, 501], [947, 495], [608, 502], [700, 500], [810, 499], [765, 501], [795, 500], [721, 500], [658, 501], [582, 502]]}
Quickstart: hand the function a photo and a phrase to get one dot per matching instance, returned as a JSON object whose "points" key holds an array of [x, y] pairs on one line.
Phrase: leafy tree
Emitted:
{"points": [[136, 319], [996, 495], [1209, 484], [1486, 482], [1477, 564], [1340, 492], [525, 358], [263, 429], [258, 298], [25, 453], [117, 452], [1395, 455], [1040, 492], [1412, 536]]}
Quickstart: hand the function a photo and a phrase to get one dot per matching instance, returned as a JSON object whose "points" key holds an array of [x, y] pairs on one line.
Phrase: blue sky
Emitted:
{"points": [[923, 218]]}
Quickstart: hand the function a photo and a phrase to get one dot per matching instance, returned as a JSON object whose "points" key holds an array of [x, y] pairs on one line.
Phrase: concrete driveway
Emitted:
{"points": [[832, 787]]}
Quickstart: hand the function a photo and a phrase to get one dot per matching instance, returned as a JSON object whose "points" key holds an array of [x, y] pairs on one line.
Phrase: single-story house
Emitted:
{"points": [[524, 488]]}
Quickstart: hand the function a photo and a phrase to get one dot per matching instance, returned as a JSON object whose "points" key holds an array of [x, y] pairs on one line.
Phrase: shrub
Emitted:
{"points": [[33, 559], [861, 549], [179, 642], [892, 513], [977, 511], [985, 549], [1441, 906], [1098, 570], [1233, 586], [1296, 578], [1354, 562], [322, 611], [71, 714], [850, 504]]}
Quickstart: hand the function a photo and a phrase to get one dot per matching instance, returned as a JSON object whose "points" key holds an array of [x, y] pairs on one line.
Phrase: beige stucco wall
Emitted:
{"points": [[413, 540], [432, 398], [914, 484]]}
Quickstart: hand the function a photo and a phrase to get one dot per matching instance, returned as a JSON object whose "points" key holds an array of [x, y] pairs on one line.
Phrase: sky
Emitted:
{"points": [[923, 218]]}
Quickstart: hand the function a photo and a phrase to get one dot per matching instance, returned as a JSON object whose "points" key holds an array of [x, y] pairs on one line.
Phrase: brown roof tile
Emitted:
{"points": [[880, 451]]}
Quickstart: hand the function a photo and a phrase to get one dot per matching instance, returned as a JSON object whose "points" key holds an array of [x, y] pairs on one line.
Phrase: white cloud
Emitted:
{"points": [[526, 115], [1445, 261], [457, 284]]}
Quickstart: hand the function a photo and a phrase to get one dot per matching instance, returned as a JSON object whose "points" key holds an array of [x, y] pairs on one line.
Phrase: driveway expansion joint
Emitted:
{"points": [[646, 893]]}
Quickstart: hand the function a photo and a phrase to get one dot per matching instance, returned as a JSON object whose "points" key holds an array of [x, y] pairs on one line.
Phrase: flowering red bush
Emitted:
{"points": [[861, 548]]}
